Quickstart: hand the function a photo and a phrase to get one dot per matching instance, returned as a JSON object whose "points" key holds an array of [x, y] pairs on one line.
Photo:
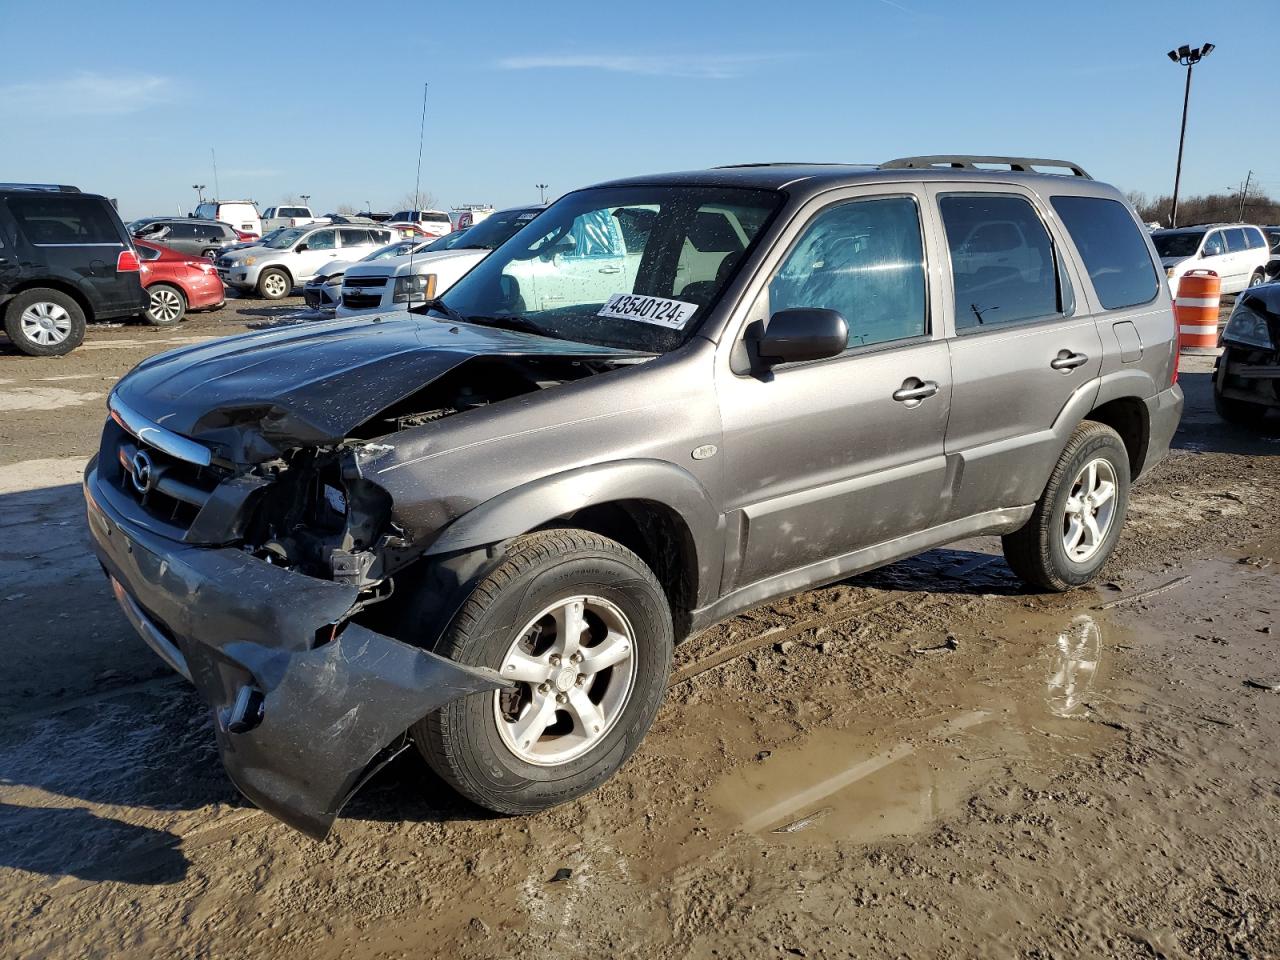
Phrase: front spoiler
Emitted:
{"points": [[306, 705]]}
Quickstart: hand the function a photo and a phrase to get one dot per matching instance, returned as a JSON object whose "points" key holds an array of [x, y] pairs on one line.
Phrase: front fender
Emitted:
{"points": [[536, 503]]}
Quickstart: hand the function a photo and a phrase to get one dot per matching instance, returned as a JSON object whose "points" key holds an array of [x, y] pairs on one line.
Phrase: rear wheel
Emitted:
{"points": [[211, 253], [168, 305], [1259, 277], [582, 628], [1077, 520], [274, 284], [44, 323]]}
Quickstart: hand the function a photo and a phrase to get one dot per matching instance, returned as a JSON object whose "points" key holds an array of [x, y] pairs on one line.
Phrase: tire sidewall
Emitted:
{"points": [[473, 720], [1112, 449], [13, 322]]}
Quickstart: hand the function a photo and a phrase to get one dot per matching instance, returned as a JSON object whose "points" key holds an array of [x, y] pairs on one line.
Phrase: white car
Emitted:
{"points": [[433, 223], [241, 214], [297, 254], [324, 291], [1236, 252], [401, 282], [275, 217]]}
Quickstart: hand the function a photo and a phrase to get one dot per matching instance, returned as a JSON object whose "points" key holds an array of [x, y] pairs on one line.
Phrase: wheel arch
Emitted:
{"points": [[62, 286], [1129, 417], [652, 507]]}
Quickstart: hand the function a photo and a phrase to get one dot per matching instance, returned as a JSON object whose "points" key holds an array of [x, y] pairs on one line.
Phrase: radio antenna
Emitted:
{"points": [[216, 189], [417, 183]]}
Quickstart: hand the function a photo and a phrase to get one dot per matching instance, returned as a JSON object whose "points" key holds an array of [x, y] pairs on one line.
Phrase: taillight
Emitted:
{"points": [[127, 262], [1177, 359]]}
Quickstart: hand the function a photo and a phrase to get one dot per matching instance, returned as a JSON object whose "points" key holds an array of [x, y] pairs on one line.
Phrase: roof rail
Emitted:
{"points": [[966, 162], [46, 187], [786, 163]]}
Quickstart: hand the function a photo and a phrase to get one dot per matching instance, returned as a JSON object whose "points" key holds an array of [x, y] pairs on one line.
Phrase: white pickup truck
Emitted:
{"points": [[274, 217]]}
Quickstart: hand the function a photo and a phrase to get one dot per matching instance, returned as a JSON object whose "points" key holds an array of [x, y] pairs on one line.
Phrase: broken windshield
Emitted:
{"points": [[633, 267]]}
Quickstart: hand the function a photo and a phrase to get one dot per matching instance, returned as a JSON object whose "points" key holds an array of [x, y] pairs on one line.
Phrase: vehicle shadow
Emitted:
{"points": [[1203, 431], [947, 570], [61, 841]]}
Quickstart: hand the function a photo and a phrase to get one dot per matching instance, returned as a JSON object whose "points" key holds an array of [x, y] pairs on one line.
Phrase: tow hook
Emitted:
{"points": [[245, 712]]}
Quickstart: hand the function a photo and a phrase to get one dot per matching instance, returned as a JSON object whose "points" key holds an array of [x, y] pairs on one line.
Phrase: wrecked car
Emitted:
{"points": [[1246, 375], [479, 528]]}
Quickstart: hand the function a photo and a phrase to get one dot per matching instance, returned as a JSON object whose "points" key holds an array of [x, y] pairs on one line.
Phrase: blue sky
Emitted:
{"points": [[568, 93]]}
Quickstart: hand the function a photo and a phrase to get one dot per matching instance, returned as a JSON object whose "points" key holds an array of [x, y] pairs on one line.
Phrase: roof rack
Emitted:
{"points": [[45, 187], [966, 162]]}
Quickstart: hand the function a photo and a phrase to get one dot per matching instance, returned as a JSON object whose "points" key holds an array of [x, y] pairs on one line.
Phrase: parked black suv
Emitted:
{"points": [[65, 258], [196, 238]]}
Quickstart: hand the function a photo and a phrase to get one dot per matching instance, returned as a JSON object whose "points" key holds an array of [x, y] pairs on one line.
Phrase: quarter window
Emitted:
{"points": [[1112, 248], [864, 259], [1002, 261]]}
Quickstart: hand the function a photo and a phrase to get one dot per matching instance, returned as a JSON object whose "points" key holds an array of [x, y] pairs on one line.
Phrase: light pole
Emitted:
{"points": [[1187, 57], [542, 191], [306, 198], [199, 189]]}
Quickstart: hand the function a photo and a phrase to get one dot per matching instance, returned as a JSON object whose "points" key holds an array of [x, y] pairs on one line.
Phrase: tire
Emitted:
{"points": [[463, 741], [274, 284], [1038, 552], [1259, 277], [1240, 412], [44, 323], [168, 305], [211, 253]]}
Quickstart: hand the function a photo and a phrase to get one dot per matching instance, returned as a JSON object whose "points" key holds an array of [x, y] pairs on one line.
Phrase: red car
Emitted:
{"points": [[177, 283]]}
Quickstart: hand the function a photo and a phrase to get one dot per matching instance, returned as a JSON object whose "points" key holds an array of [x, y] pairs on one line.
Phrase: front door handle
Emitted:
{"points": [[1066, 361], [913, 391], [610, 269]]}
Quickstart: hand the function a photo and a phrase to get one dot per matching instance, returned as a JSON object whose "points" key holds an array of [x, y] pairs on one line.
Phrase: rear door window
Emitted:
{"points": [[355, 238], [865, 259], [1112, 248], [1236, 240], [1003, 263], [61, 220]]}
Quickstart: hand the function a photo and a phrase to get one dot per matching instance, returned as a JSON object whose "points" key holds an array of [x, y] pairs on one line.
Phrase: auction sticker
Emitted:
{"points": [[659, 310]]}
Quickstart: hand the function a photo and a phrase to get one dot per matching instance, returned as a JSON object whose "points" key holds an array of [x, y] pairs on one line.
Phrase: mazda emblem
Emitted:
{"points": [[142, 468]]}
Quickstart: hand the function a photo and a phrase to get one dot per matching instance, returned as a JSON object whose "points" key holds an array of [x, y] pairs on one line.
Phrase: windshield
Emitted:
{"points": [[1177, 244], [284, 239], [631, 267], [397, 249]]}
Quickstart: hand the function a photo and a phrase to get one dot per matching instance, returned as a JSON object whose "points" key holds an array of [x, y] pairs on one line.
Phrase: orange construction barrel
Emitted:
{"points": [[1195, 307]]}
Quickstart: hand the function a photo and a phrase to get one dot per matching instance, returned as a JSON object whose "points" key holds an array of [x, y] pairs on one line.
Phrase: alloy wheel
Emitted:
{"points": [[575, 667], [1091, 508], [166, 305]]}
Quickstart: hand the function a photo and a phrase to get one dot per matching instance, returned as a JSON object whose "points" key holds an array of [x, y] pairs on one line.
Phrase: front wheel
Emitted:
{"points": [[274, 284], [1077, 520], [581, 627], [168, 305]]}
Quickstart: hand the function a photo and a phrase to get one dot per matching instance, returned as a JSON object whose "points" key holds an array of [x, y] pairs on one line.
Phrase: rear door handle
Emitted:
{"points": [[913, 391], [610, 269], [1067, 361]]}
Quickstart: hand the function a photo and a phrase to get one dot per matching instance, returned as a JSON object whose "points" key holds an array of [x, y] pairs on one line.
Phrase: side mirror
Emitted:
{"points": [[299, 248], [810, 333]]}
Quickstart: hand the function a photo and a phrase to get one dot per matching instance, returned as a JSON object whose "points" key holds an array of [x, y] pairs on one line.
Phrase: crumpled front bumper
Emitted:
{"points": [[302, 716]]}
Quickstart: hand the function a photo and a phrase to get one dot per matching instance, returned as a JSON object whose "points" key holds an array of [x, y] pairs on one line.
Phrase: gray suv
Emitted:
{"points": [[480, 527]]}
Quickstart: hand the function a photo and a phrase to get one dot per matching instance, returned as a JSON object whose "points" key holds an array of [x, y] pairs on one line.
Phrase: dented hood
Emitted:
{"points": [[256, 394]]}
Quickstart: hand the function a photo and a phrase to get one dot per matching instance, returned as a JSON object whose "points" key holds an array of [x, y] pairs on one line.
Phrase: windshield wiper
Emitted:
{"points": [[437, 304]]}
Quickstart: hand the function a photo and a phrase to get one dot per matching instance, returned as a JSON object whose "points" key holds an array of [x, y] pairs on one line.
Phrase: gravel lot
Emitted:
{"points": [[923, 761]]}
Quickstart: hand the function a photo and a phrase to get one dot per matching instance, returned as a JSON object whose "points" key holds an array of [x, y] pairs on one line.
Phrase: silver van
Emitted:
{"points": [[480, 527]]}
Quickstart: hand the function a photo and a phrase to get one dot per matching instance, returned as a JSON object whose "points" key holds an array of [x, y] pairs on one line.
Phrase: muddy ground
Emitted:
{"points": [[924, 761]]}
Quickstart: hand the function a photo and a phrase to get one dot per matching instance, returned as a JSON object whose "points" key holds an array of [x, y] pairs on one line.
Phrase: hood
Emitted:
{"points": [[332, 268], [421, 262], [255, 395], [1172, 261]]}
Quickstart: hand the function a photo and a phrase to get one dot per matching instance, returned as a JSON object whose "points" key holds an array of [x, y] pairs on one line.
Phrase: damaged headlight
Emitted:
{"points": [[1249, 328], [414, 288]]}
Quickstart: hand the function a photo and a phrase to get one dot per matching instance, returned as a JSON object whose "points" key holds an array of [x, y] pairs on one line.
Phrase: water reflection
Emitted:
{"points": [[1076, 665]]}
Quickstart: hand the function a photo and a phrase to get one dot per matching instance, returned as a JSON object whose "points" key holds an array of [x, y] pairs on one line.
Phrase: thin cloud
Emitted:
{"points": [[86, 94], [694, 66]]}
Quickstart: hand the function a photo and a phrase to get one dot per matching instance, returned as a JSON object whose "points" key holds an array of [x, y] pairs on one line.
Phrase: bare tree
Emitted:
{"points": [[346, 210], [424, 200], [1211, 208], [291, 200]]}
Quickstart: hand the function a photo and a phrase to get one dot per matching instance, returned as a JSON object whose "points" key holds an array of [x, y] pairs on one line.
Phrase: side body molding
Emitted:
{"points": [[534, 504]]}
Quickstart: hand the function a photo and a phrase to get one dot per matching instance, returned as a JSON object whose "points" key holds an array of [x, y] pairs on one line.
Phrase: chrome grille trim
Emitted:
{"points": [[157, 436]]}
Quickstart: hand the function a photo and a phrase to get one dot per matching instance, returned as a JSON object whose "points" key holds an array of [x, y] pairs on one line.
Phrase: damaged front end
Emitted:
{"points": [[250, 545], [1249, 369]]}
